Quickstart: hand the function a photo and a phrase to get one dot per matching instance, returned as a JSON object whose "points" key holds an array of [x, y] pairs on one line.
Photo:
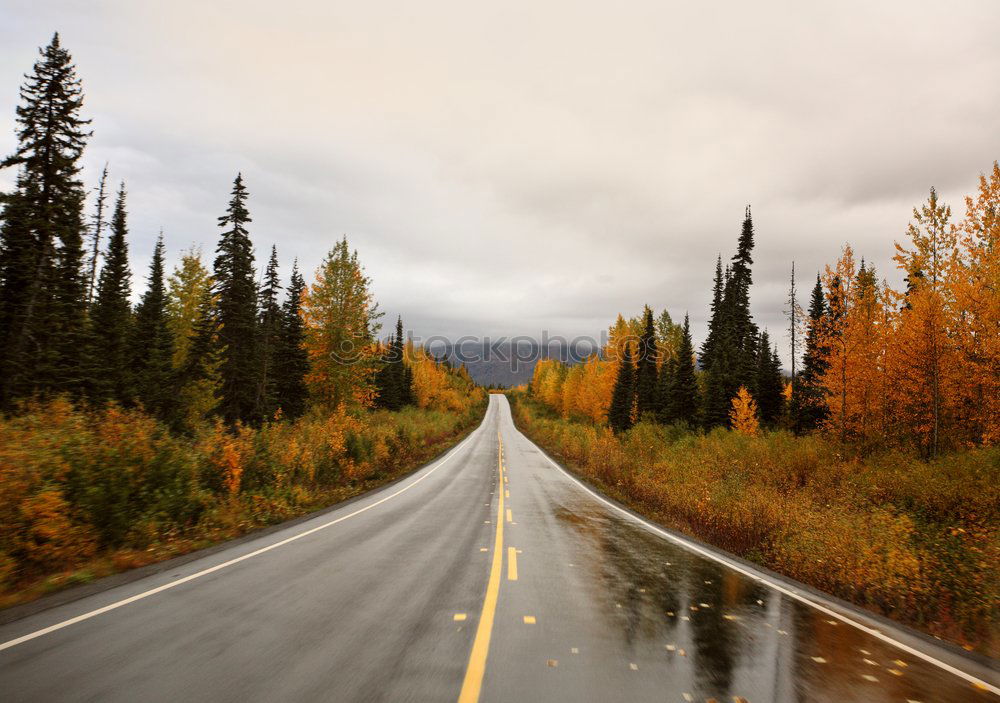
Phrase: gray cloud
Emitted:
{"points": [[533, 165]]}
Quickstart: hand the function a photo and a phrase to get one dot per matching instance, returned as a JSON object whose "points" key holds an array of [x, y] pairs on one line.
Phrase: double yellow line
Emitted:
{"points": [[473, 683]]}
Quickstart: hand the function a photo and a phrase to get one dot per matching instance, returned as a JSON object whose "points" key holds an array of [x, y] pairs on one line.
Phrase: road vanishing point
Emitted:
{"points": [[488, 575]]}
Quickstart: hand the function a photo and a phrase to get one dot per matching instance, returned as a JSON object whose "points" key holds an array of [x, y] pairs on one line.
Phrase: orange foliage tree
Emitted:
{"points": [[340, 316], [743, 416]]}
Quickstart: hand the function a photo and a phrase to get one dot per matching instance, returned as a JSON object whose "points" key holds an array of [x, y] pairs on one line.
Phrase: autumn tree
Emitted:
{"points": [[743, 415], [341, 320], [924, 348], [972, 279], [199, 378], [237, 309], [187, 287]]}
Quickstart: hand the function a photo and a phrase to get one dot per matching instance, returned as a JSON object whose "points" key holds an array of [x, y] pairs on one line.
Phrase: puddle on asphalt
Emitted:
{"points": [[722, 635]]}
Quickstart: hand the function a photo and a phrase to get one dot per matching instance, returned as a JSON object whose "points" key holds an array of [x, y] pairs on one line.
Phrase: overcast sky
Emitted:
{"points": [[531, 165]]}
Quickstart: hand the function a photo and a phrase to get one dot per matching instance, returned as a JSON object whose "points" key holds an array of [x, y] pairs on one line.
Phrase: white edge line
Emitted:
{"points": [[690, 546], [159, 589]]}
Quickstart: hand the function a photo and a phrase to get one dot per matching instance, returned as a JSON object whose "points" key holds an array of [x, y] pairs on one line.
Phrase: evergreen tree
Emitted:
{"points": [[664, 388], [710, 344], [623, 396], [768, 384], [293, 362], [111, 317], [737, 304], [394, 380], [43, 291], [731, 361], [268, 340], [683, 400], [152, 343], [646, 371], [237, 308], [97, 226], [808, 404]]}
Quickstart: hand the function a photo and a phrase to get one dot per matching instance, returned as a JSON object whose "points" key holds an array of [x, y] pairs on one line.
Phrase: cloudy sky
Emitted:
{"points": [[509, 168]]}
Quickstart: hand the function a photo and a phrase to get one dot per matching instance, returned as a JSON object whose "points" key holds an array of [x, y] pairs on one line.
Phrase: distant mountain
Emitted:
{"points": [[505, 363]]}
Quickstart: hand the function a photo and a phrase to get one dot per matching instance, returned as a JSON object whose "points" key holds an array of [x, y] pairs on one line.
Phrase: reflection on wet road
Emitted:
{"points": [[661, 622]]}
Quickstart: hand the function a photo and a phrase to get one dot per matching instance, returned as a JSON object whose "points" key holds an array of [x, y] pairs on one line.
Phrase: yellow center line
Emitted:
{"points": [[473, 682], [511, 564]]}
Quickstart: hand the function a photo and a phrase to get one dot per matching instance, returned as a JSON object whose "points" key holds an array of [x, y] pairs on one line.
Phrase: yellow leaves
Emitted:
{"points": [[743, 416], [436, 387], [51, 538], [340, 316]]}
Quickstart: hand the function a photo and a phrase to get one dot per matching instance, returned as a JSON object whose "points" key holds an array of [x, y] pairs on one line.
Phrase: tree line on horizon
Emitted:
{"points": [[871, 365], [201, 342]]}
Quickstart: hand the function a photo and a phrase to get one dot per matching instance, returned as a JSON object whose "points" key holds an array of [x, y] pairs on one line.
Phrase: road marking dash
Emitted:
{"points": [[509, 518], [511, 564], [458, 617], [529, 619]]}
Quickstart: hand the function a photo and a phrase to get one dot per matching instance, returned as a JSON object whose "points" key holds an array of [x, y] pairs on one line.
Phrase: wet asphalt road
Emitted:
{"points": [[391, 597]]}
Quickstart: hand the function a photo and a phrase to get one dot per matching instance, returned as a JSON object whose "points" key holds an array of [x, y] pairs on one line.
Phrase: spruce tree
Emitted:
{"points": [[710, 344], [293, 362], [237, 306], [768, 384], [111, 317], [646, 367], [731, 361], [152, 343], [268, 340], [96, 228], [394, 380], [43, 290], [808, 405], [623, 396], [664, 387], [684, 401]]}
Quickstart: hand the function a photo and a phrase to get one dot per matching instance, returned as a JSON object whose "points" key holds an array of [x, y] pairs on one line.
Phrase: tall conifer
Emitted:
{"points": [[768, 384], [152, 343], [237, 307], [111, 316], [646, 370], [684, 400], [268, 334], [623, 395], [808, 404], [42, 284], [293, 361]]}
